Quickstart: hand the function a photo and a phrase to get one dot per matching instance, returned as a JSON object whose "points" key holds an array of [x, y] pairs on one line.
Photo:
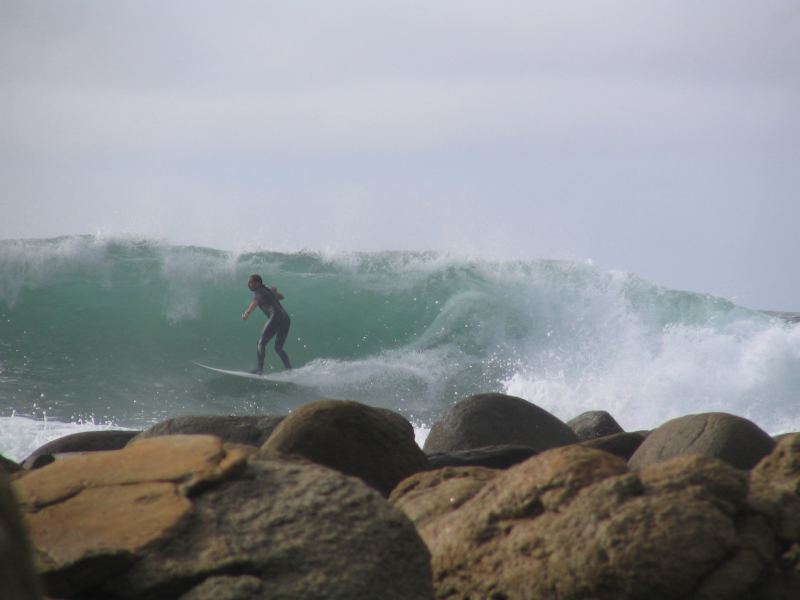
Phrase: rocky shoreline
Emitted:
{"points": [[336, 500]]}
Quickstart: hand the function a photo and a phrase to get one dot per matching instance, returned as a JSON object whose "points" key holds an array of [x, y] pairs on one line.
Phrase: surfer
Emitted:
{"points": [[268, 300]]}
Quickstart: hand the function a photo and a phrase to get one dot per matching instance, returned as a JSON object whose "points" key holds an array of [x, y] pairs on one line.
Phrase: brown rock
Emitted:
{"points": [[427, 496], [186, 517], [352, 438], [89, 515], [186, 459], [574, 523]]}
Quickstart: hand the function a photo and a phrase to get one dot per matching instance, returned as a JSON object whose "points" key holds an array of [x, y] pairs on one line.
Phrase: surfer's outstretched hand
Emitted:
{"points": [[244, 316]]}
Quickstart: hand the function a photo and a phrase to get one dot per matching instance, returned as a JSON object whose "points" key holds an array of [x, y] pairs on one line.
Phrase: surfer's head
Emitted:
{"points": [[255, 282]]}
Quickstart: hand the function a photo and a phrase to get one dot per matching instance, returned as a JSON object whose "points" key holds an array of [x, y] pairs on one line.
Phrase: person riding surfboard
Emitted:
{"points": [[268, 299]]}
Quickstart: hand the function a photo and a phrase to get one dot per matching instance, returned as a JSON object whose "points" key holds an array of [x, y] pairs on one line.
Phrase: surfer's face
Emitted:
{"points": [[252, 284]]}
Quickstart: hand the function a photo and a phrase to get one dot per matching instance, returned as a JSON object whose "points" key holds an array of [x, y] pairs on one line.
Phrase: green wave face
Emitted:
{"points": [[107, 329]]}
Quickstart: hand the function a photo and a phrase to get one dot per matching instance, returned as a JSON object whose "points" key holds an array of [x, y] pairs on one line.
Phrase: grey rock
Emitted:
{"points": [[729, 438], [497, 419], [594, 424]]}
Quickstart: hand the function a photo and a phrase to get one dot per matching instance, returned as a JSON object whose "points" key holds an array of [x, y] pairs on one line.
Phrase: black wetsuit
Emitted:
{"points": [[277, 325]]}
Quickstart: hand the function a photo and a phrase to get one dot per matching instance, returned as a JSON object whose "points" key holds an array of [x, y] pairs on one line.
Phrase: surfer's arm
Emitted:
{"points": [[278, 295], [249, 309]]}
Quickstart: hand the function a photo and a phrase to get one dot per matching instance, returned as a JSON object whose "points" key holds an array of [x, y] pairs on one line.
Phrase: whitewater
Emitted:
{"points": [[99, 332]]}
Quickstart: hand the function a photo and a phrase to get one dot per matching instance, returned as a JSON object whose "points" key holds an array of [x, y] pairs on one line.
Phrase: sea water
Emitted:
{"points": [[102, 332]]}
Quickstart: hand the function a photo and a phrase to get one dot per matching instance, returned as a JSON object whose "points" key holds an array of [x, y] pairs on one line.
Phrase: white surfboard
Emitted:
{"points": [[243, 374]]}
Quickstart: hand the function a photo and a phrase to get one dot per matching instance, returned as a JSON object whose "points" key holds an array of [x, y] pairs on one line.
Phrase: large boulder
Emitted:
{"points": [[594, 424], [575, 523], [372, 444], [18, 580], [735, 440], [248, 430], [496, 419], [83, 441], [208, 520]]}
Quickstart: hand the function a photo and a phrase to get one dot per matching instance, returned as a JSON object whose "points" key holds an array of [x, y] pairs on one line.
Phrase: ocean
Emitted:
{"points": [[103, 332]]}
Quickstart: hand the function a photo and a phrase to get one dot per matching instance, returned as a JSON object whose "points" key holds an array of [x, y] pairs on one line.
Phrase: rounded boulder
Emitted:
{"points": [[373, 444], [497, 419]]}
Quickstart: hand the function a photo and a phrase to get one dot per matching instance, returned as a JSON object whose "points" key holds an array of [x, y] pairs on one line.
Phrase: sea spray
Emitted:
{"points": [[106, 329]]}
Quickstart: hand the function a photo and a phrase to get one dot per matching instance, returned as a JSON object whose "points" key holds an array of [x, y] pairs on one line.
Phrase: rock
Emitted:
{"points": [[775, 491], [208, 521], [84, 441], [427, 496], [575, 523], [594, 424], [18, 580], [226, 587], [493, 457], [735, 440], [619, 444], [352, 438], [496, 419], [249, 430], [8, 466]]}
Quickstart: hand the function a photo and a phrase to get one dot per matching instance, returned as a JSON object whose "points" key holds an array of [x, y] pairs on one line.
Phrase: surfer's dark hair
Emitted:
{"points": [[257, 278]]}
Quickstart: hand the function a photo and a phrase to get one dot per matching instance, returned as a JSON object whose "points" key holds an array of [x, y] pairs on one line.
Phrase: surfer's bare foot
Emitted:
{"points": [[257, 372]]}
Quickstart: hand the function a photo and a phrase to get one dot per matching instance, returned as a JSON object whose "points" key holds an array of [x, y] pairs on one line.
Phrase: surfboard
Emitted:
{"points": [[243, 374]]}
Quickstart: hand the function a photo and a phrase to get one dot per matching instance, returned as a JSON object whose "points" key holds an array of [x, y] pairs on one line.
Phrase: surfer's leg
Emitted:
{"points": [[266, 336], [280, 339]]}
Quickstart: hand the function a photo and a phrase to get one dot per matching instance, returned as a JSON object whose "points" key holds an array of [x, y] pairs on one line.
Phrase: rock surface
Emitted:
{"points": [[733, 439], [496, 419], [212, 521], [372, 444]]}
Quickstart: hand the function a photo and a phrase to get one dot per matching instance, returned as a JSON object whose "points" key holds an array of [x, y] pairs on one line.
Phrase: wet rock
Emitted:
{"points": [[352, 438], [496, 419]]}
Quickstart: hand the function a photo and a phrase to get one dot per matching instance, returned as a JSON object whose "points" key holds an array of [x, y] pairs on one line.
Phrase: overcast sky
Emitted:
{"points": [[659, 137]]}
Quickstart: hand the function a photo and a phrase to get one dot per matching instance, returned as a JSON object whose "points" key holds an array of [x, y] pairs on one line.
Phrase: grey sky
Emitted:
{"points": [[658, 137]]}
